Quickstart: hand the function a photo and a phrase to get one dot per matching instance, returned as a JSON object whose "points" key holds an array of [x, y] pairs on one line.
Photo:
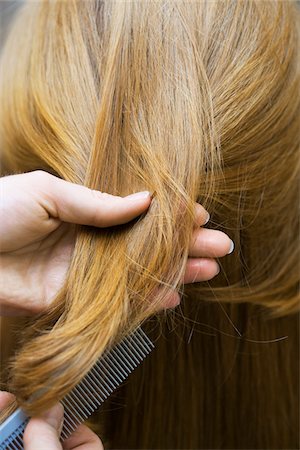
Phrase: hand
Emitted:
{"points": [[44, 431], [204, 247], [37, 238]]}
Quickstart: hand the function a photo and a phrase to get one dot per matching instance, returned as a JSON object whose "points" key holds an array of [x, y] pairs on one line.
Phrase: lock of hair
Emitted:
{"points": [[111, 369]]}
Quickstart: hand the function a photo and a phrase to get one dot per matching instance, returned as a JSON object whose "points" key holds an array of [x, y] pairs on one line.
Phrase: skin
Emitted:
{"points": [[43, 432], [38, 213]]}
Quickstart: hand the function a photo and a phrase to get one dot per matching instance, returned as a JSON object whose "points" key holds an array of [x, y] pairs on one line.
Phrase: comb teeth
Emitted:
{"points": [[105, 376]]}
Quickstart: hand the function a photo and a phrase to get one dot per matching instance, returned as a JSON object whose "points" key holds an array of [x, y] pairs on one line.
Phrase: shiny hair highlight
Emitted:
{"points": [[198, 101]]}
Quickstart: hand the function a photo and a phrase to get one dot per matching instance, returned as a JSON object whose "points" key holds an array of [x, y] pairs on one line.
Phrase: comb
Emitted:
{"points": [[111, 369]]}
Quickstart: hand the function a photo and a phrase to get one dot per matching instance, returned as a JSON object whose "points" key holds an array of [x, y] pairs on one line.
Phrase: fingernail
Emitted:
{"points": [[139, 195], [207, 219], [54, 416], [231, 247]]}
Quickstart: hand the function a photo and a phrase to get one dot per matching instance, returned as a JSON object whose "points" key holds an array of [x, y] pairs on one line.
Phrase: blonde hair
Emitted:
{"points": [[197, 101]]}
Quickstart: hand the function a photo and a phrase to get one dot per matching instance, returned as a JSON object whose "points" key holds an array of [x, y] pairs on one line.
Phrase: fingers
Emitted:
{"points": [[77, 204], [210, 243], [171, 300], [197, 270], [43, 432], [83, 439], [6, 398], [201, 215], [205, 245], [203, 269]]}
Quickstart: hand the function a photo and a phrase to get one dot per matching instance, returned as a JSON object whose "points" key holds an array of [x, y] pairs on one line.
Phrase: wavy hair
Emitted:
{"points": [[197, 101]]}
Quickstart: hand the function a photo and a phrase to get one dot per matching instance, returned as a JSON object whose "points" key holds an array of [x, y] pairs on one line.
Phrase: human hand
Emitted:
{"points": [[205, 246], [37, 236], [42, 432]]}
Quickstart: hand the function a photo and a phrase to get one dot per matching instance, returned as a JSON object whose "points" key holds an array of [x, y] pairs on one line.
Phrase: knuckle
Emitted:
{"points": [[44, 187], [98, 218], [100, 195], [32, 427], [102, 214], [41, 179]]}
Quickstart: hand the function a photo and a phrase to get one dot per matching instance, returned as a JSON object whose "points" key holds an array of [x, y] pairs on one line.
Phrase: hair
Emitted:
{"points": [[198, 101]]}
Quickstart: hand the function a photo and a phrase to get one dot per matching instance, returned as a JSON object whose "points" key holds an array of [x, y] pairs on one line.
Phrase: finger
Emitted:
{"points": [[83, 439], [6, 398], [202, 269], [171, 300], [42, 432], [78, 204], [210, 243], [201, 215]]}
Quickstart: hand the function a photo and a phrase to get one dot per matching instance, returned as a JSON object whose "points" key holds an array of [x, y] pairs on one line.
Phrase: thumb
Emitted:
{"points": [[73, 203], [42, 432]]}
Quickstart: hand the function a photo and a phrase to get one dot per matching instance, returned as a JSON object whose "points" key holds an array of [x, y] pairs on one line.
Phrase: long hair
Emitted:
{"points": [[197, 101]]}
